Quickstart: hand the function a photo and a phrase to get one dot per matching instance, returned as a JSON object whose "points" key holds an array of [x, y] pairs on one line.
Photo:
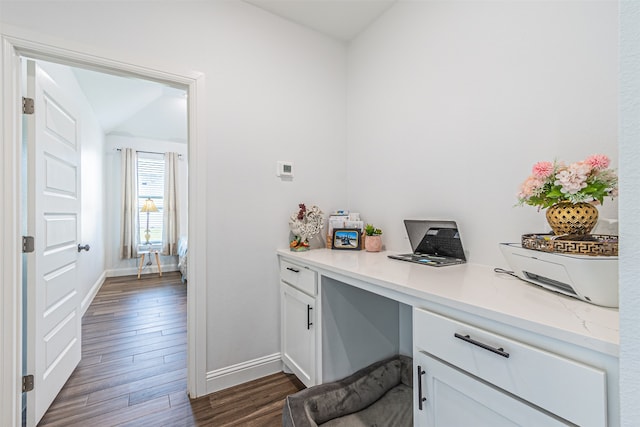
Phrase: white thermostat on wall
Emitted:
{"points": [[285, 169]]}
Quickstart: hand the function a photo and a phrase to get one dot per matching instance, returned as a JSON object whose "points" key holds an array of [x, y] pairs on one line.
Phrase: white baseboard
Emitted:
{"points": [[229, 376], [86, 301], [149, 269]]}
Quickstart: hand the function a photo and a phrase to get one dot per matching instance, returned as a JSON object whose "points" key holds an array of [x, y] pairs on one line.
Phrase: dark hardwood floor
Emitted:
{"points": [[133, 370]]}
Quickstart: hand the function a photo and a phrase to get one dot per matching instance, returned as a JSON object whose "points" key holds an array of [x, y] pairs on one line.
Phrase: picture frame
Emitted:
{"points": [[347, 239]]}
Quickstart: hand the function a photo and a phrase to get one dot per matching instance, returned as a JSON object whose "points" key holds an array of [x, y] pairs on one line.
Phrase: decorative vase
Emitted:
{"points": [[373, 243], [572, 218]]}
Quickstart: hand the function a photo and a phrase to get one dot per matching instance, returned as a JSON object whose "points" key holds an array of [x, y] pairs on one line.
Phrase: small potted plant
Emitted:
{"points": [[373, 241]]}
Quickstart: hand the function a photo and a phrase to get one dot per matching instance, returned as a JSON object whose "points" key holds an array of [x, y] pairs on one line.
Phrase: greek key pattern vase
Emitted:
{"points": [[572, 218]]}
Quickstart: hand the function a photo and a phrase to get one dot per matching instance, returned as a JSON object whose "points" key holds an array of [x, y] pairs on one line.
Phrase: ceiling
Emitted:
{"points": [[340, 19], [134, 107]]}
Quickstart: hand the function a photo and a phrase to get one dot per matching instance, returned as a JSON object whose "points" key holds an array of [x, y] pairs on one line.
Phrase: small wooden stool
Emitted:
{"points": [[142, 254]]}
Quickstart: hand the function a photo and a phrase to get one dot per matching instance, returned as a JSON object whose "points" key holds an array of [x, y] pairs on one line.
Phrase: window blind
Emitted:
{"points": [[151, 186]]}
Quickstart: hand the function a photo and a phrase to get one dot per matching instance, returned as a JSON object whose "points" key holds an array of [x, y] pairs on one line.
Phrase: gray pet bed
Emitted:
{"points": [[378, 395]]}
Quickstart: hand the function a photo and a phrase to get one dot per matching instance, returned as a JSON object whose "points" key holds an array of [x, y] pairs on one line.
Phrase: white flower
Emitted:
{"points": [[574, 178]]}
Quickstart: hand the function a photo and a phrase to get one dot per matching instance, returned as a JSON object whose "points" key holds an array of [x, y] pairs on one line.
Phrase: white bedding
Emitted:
{"points": [[182, 256]]}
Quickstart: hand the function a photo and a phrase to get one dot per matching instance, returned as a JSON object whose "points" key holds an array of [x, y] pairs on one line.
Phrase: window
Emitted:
{"points": [[150, 186]]}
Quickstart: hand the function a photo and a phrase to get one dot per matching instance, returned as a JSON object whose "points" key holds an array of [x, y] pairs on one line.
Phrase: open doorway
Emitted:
{"points": [[72, 148], [15, 49]]}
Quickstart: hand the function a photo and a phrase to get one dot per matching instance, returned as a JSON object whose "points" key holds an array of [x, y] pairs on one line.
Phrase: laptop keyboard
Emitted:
{"points": [[432, 260]]}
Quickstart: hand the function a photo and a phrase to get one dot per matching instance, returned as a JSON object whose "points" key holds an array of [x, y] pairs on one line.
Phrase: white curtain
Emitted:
{"points": [[170, 214], [129, 234]]}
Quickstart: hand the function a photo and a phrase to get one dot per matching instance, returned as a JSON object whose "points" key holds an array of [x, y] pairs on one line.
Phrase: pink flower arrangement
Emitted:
{"points": [[588, 181]]}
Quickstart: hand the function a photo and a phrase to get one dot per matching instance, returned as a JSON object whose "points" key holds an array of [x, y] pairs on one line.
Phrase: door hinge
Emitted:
{"points": [[27, 383], [28, 106], [28, 244]]}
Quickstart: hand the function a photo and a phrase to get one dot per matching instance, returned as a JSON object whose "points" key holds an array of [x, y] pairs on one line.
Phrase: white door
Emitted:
{"points": [[298, 333], [53, 209]]}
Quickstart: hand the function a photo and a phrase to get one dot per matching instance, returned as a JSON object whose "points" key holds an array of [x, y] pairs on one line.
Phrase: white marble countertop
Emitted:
{"points": [[478, 290]]}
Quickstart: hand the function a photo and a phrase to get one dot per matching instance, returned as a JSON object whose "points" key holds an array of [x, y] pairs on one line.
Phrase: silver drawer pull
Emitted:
{"points": [[470, 340], [295, 270]]}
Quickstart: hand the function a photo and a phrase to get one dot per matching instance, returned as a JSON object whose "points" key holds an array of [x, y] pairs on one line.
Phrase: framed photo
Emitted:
{"points": [[346, 238]]}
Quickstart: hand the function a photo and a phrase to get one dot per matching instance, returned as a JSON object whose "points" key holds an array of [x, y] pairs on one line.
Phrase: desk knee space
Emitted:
{"points": [[142, 257]]}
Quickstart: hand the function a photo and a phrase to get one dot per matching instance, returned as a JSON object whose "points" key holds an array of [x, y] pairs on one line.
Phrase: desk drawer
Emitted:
{"points": [[564, 387], [299, 277]]}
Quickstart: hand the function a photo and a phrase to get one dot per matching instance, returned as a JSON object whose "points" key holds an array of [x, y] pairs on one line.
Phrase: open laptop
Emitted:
{"points": [[434, 243]]}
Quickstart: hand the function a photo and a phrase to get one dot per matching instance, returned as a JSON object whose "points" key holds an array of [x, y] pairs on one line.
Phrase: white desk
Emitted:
{"points": [[474, 294]]}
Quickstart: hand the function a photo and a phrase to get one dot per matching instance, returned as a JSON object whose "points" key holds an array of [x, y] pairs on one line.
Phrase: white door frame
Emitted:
{"points": [[13, 49]]}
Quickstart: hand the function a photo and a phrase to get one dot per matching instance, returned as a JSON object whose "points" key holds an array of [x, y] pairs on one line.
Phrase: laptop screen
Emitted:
{"points": [[417, 229], [443, 242]]}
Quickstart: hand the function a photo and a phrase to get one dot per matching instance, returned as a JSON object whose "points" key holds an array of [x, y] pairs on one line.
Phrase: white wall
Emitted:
{"points": [[454, 102], [115, 265], [524, 81], [91, 264], [629, 218], [274, 91]]}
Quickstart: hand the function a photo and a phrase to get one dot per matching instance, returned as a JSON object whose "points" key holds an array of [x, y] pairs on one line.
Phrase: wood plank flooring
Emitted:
{"points": [[133, 370]]}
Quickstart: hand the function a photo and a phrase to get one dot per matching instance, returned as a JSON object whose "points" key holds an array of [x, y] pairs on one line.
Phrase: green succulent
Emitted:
{"points": [[370, 230]]}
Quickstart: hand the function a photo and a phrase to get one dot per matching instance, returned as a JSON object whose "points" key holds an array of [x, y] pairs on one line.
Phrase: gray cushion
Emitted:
{"points": [[392, 409], [359, 394]]}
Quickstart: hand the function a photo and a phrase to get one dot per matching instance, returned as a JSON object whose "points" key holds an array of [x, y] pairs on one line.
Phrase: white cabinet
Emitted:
{"points": [[475, 377], [343, 310], [298, 288], [451, 397]]}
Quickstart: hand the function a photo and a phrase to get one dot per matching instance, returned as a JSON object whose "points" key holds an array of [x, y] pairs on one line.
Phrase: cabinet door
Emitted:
{"points": [[298, 333], [569, 389], [450, 397]]}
